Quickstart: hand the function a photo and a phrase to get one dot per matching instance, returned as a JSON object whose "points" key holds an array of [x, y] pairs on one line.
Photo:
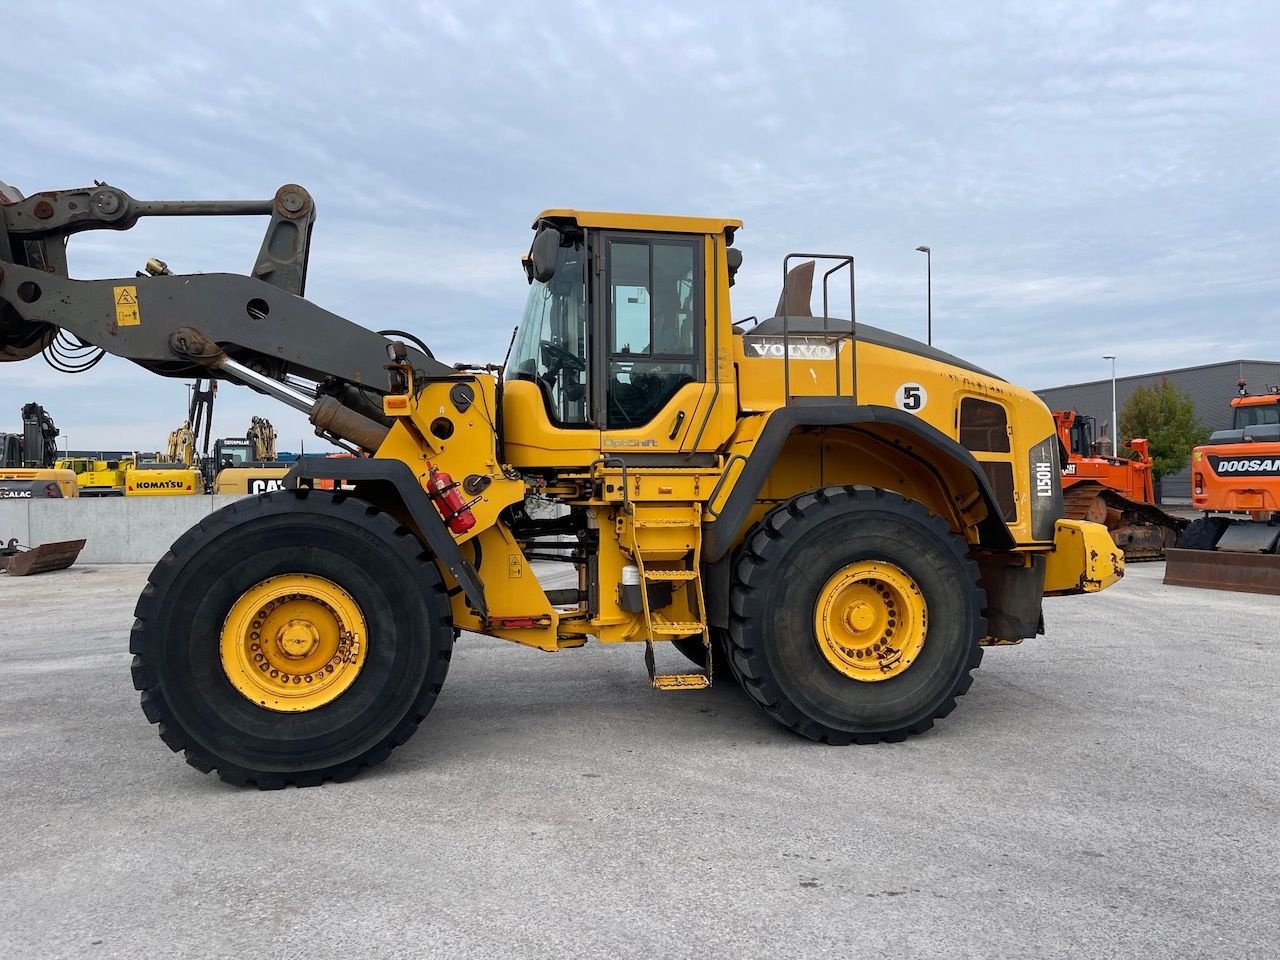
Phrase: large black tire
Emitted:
{"points": [[1203, 533], [779, 573], [180, 615]]}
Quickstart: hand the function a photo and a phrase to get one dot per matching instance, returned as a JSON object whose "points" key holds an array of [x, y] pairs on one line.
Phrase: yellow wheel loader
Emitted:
{"points": [[845, 516]]}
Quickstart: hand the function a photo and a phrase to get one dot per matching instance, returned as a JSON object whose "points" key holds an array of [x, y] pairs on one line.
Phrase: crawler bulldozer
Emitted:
{"points": [[841, 518], [1115, 491]]}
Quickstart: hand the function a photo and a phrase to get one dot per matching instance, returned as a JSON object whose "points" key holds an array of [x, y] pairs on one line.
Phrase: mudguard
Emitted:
{"points": [[720, 534], [397, 475]]}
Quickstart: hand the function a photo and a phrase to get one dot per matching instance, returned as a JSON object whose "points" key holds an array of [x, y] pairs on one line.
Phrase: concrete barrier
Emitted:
{"points": [[15, 521], [117, 529]]}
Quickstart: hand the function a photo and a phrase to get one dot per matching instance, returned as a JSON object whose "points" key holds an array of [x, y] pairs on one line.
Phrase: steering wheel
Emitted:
{"points": [[554, 356]]}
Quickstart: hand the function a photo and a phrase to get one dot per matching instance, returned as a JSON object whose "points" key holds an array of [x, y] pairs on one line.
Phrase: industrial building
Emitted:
{"points": [[1211, 387]]}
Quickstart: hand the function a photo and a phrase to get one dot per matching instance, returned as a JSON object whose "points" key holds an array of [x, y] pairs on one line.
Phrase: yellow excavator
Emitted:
{"points": [[100, 478], [30, 470], [176, 472], [29, 466], [835, 516], [248, 464]]}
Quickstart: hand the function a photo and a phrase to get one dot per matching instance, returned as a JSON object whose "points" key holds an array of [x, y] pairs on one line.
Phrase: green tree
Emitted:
{"points": [[1166, 417]]}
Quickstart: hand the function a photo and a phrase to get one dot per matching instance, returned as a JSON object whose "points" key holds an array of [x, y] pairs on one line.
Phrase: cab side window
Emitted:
{"points": [[654, 302]]}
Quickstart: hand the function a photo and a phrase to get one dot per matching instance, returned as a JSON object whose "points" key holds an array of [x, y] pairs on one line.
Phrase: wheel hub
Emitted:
{"points": [[870, 620], [859, 616], [293, 643], [297, 638]]}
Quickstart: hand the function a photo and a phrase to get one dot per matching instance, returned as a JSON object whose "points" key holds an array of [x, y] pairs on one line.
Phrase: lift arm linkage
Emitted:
{"points": [[259, 321]]}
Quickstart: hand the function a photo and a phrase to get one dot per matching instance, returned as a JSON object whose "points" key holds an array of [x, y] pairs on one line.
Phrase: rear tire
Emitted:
{"points": [[787, 566], [178, 639], [1203, 533], [696, 653]]}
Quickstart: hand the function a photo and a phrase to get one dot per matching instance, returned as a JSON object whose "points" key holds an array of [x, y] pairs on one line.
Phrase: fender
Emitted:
{"points": [[720, 534], [419, 506]]}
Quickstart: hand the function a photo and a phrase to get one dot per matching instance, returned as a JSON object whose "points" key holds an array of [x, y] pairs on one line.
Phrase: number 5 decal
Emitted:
{"points": [[911, 397]]}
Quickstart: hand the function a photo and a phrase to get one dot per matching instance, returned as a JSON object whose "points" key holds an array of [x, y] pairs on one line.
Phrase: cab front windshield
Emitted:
{"points": [[551, 344], [234, 455], [1257, 415]]}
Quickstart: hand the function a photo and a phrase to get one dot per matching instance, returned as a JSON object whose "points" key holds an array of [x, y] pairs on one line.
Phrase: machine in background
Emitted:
{"points": [[28, 460], [1235, 480], [1115, 491]]}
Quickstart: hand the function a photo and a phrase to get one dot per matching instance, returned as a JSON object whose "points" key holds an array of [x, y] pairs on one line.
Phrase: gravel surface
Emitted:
{"points": [[1110, 790]]}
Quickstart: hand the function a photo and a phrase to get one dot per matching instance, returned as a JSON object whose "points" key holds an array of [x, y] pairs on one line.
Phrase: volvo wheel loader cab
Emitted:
{"points": [[843, 515], [1235, 480], [1116, 491]]}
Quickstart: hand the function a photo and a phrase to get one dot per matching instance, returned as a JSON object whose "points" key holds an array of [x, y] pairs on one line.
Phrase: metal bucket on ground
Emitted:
{"points": [[18, 561]]}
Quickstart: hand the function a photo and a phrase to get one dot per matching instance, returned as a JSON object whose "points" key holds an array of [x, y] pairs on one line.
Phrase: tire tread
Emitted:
{"points": [[157, 710], [766, 543]]}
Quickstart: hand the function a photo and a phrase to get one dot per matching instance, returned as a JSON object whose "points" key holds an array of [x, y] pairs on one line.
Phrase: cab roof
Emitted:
{"points": [[1256, 400], [655, 222]]}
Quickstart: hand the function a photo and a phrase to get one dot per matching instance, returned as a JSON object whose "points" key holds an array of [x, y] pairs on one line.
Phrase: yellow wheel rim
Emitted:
{"points": [[294, 643], [870, 620]]}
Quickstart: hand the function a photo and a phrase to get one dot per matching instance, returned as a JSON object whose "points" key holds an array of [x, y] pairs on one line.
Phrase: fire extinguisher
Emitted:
{"points": [[449, 501]]}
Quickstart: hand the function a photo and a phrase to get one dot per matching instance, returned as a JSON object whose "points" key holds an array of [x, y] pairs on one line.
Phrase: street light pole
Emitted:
{"points": [[1115, 424], [928, 255]]}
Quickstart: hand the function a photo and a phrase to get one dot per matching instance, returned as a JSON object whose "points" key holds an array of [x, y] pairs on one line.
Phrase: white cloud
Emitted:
{"points": [[1092, 178]]}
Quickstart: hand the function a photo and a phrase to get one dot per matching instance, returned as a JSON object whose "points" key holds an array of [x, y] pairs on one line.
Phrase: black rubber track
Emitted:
{"points": [[180, 613], [1203, 533], [780, 569]]}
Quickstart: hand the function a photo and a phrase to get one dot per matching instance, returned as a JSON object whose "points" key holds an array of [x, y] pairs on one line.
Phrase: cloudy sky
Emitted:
{"points": [[1092, 177]]}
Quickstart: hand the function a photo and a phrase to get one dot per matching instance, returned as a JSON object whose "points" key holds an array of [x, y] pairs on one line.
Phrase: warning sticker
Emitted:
{"points": [[515, 569], [127, 313]]}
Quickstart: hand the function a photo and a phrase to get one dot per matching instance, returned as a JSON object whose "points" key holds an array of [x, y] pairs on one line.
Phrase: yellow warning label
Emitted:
{"points": [[127, 313], [515, 569]]}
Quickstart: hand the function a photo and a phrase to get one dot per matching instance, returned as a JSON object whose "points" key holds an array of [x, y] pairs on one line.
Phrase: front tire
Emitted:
{"points": [[332, 600], [856, 616]]}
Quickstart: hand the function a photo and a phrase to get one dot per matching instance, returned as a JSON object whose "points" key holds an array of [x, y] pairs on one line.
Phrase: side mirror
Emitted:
{"points": [[733, 259], [542, 255]]}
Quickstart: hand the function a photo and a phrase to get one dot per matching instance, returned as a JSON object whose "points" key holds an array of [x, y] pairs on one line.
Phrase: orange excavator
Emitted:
{"points": [[1115, 491], [1235, 480]]}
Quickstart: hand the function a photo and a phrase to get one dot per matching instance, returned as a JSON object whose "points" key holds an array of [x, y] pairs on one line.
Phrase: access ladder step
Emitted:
{"points": [[675, 628], [671, 576], [681, 681]]}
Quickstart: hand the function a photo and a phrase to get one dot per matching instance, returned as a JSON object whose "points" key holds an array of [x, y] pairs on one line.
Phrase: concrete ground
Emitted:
{"points": [[1110, 790]]}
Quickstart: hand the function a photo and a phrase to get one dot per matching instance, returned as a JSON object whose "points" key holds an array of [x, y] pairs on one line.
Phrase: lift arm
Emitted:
{"points": [[255, 329]]}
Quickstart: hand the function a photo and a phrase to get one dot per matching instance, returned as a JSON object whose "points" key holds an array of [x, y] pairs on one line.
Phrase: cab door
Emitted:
{"points": [[651, 355]]}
